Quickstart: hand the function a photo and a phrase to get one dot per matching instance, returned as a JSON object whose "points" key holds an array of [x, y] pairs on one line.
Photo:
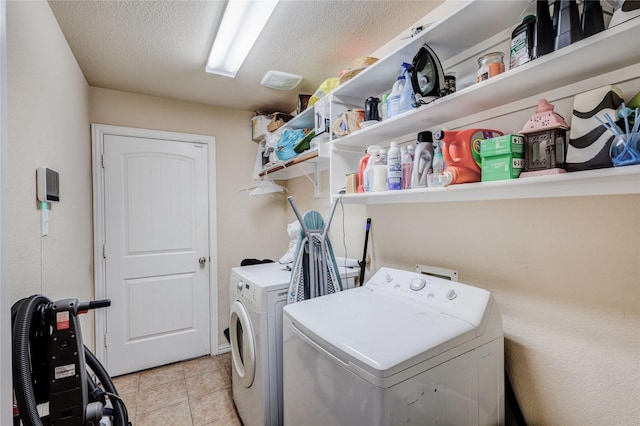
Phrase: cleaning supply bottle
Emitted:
{"points": [[362, 166], [438, 161], [367, 175], [407, 97], [393, 100], [439, 177], [384, 107], [406, 164], [422, 160], [401, 97], [380, 171], [394, 168]]}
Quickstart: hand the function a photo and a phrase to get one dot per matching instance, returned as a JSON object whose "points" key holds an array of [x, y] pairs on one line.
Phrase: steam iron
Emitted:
{"points": [[427, 77], [624, 10]]}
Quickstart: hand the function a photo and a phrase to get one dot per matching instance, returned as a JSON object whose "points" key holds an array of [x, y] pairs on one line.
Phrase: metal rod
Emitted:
{"points": [[363, 263]]}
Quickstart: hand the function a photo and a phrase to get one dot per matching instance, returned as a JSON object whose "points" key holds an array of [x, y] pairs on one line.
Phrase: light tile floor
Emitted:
{"points": [[190, 393]]}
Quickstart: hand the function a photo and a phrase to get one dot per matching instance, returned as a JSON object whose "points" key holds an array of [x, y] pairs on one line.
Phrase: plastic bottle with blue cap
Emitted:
{"points": [[401, 97], [394, 168]]}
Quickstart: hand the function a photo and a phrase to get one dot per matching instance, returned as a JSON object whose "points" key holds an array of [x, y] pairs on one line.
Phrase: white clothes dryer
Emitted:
{"points": [[257, 295], [403, 349]]}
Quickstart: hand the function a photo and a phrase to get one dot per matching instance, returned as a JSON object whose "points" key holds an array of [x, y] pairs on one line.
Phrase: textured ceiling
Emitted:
{"points": [[160, 47]]}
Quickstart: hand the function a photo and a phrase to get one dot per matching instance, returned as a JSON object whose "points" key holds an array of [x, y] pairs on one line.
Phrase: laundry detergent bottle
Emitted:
{"points": [[362, 166], [461, 152], [401, 97], [422, 159], [367, 175], [406, 95]]}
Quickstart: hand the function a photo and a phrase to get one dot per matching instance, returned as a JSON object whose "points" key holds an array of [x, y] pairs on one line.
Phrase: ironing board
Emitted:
{"points": [[314, 271]]}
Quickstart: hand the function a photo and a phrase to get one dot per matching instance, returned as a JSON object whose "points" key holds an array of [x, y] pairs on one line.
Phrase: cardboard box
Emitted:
{"points": [[501, 167], [277, 120], [351, 183], [259, 127], [507, 144]]}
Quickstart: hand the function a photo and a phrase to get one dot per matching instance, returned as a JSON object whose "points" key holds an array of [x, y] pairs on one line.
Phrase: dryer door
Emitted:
{"points": [[243, 344]]}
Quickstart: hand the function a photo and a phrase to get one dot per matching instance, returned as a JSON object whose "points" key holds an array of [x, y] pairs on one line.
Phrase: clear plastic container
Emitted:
{"points": [[625, 150]]}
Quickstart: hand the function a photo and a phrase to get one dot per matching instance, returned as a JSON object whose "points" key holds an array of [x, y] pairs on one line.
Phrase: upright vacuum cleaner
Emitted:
{"points": [[50, 366]]}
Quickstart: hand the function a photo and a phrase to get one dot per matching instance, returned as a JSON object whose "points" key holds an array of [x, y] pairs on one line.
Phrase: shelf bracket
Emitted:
{"points": [[315, 181]]}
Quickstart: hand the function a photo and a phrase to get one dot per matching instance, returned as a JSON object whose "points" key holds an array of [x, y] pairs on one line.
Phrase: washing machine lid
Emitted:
{"points": [[276, 274], [381, 334], [264, 274]]}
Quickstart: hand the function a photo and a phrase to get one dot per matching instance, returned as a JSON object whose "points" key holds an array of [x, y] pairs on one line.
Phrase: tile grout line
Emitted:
{"points": [[139, 388]]}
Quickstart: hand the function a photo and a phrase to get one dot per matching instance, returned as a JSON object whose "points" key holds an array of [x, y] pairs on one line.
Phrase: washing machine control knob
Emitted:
{"points": [[388, 278], [417, 283], [451, 294], [240, 285]]}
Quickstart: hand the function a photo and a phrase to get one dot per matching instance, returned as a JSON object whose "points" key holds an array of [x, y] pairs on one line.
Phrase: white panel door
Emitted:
{"points": [[156, 251]]}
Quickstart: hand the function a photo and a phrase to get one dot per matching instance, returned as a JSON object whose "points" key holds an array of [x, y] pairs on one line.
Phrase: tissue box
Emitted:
{"points": [[507, 144], [501, 167]]}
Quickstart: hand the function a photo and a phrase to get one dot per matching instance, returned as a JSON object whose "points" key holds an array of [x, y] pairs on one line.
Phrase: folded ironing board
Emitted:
{"points": [[314, 270]]}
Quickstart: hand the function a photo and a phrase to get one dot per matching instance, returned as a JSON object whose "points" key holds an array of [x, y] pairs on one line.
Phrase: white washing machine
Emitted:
{"points": [[405, 349], [257, 295]]}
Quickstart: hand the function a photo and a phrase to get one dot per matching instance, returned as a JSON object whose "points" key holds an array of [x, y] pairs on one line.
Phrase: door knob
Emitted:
{"points": [[202, 261]]}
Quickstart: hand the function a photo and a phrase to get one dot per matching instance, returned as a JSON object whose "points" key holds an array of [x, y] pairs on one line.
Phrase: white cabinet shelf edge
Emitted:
{"points": [[611, 181]]}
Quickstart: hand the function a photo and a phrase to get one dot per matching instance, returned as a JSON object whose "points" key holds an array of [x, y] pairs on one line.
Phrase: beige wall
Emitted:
{"points": [[248, 227], [48, 112]]}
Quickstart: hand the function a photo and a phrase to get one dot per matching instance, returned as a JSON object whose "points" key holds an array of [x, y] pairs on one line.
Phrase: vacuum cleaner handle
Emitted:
{"points": [[84, 307]]}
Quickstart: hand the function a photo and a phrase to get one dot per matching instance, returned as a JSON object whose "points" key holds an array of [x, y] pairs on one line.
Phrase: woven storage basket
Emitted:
{"points": [[359, 64]]}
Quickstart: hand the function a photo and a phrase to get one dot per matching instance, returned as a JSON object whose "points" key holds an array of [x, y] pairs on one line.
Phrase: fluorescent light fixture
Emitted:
{"points": [[241, 25]]}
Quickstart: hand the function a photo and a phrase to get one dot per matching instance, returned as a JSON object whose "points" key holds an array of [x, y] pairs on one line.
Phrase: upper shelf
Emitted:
{"points": [[447, 37], [607, 51], [304, 120], [611, 181]]}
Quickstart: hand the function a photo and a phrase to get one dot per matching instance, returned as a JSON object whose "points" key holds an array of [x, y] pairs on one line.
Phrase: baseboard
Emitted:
{"points": [[224, 348]]}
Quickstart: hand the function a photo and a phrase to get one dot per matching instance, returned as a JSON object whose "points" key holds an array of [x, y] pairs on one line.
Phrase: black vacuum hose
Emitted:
{"points": [[21, 360], [120, 411]]}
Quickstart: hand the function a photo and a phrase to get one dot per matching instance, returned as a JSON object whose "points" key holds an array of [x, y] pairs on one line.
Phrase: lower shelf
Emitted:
{"points": [[303, 164], [611, 181]]}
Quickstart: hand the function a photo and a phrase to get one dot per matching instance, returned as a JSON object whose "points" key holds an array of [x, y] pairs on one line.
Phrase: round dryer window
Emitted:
{"points": [[243, 346]]}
